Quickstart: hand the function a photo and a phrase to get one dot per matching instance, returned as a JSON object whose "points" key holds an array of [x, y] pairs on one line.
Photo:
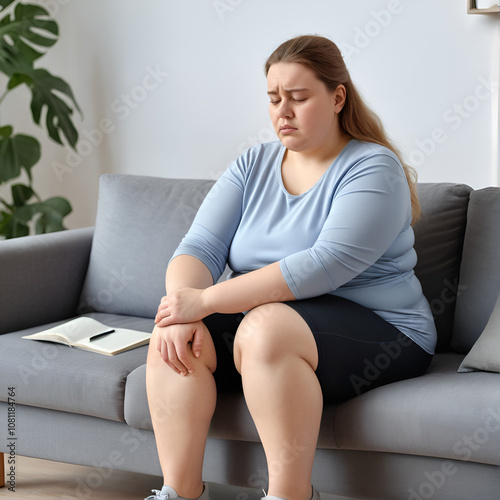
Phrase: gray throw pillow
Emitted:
{"points": [[485, 353], [439, 238]]}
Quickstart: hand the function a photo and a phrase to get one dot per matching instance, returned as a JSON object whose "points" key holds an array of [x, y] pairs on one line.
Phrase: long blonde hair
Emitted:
{"points": [[357, 120]]}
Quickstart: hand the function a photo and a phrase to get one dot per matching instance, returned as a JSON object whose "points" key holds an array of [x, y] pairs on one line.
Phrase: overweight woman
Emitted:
{"points": [[317, 231]]}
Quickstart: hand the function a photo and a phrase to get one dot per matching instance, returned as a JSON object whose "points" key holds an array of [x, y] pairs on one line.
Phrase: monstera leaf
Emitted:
{"points": [[30, 26], [45, 88], [4, 4], [26, 33], [28, 23], [17, 152], [47, 214]]}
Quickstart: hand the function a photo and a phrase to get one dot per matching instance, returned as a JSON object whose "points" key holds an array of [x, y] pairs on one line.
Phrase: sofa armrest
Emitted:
{"points": [[41, 277]]}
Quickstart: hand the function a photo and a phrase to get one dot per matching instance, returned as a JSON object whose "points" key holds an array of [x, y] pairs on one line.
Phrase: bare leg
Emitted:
{"points": [[276, 354], [181, 409]]}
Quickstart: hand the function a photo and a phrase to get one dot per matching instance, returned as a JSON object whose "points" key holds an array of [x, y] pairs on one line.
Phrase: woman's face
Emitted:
{"points": [[303, 111]]}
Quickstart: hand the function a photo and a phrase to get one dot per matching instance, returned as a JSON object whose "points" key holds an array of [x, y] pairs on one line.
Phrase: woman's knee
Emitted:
{"points": [[253, 337], [155, 359], [271, 331], [154, 354]]}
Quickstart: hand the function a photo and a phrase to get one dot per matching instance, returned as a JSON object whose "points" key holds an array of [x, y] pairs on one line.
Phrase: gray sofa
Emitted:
{"points": [[420, 438]]}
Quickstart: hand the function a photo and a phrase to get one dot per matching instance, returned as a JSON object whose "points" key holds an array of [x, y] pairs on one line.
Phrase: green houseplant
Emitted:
{"points": [[26, 32]]}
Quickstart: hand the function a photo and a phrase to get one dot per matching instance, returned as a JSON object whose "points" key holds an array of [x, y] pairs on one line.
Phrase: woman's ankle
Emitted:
{"points": [[314, 495], [186, 492]]}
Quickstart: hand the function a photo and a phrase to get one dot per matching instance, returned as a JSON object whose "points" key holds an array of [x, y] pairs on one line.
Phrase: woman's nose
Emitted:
{"points": [[284, 110]]}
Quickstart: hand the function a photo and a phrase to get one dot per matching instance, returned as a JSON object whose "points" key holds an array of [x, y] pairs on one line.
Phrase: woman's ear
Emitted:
{"points": [[339, 96]]}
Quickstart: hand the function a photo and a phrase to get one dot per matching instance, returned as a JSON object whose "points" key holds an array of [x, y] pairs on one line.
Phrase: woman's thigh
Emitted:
{"points": [[358, 350], [263, 335]]}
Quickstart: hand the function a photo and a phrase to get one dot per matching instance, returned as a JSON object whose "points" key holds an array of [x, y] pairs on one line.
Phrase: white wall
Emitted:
{"points": [[426, 67]]}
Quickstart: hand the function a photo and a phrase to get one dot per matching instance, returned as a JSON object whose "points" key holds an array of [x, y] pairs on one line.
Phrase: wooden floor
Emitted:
{"points": [[43, 480]]}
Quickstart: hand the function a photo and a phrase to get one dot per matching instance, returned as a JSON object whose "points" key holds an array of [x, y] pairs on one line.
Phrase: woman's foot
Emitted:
{"points": [[167, 493]]}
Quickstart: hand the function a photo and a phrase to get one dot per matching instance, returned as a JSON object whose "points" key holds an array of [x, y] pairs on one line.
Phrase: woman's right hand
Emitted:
{"points": [[175, 341]]}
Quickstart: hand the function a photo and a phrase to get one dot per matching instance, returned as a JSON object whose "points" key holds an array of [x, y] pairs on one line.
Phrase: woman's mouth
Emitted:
{"points": [[287, 129]]}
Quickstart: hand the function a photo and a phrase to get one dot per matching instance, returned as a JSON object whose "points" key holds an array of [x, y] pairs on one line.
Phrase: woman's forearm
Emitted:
{"points": [[187, 271], [189, 298], [248, 291]]}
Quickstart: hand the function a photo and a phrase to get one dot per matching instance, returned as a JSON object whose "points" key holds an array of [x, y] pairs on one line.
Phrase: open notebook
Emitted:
{"points": [[91, 335]]}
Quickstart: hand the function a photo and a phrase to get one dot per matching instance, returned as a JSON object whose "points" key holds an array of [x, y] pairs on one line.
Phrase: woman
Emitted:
{"points": [[316, 228]]}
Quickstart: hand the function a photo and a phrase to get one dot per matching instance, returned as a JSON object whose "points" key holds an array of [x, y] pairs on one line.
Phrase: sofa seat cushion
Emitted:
{"points": [[54, 376], [442, 414], [231, 420]]}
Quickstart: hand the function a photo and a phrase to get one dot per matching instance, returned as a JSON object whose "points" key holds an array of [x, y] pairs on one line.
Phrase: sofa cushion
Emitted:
{"points": [[436, 415], [485, 354], [440, 414], [231, 420], [140, 222], [480, 268], [55, 376], [439, 236]]}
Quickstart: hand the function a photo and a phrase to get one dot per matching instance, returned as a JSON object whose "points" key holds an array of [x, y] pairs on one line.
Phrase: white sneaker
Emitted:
{"points": [[158, 495]]}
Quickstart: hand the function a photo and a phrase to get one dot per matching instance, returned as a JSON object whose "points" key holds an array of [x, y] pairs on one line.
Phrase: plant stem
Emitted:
{"points": [[35, 194], [10, 207], [2, 97]]}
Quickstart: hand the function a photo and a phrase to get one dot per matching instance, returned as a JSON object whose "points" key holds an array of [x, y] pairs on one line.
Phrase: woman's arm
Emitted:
{"points": [[248, 291], [187, 271], [172, 341], [232, 296], [369, 212]]}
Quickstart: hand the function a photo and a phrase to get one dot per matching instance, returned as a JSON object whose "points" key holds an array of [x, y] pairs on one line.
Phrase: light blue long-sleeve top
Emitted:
{"points": [[349, 235]]}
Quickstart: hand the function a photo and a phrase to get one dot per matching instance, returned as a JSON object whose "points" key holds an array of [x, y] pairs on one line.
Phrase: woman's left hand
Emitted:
{"points": [[185, 305]]}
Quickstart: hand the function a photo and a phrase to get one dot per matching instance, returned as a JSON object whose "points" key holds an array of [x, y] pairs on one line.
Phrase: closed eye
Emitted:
{"points": [[276, 102]]}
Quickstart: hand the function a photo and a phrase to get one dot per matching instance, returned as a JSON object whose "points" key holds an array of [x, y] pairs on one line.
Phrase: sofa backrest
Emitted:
{"points": [[140, 222], [439, 238], [480, 268]]}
